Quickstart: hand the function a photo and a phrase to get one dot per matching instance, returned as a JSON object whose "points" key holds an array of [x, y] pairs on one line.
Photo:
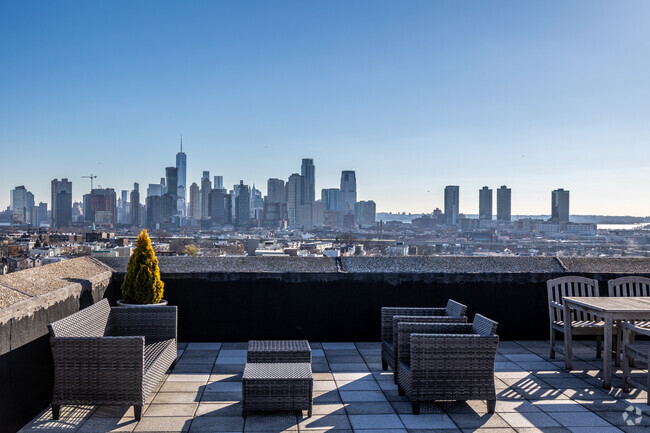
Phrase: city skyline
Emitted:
{"points": [[536, 96]]}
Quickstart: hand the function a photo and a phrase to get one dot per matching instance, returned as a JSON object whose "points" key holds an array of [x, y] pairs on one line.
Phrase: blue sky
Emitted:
{"points": [[413, 95]]}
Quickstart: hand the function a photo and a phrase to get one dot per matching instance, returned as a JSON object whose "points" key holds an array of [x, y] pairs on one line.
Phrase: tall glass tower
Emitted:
{"points": [[348, 191], [307, 170], [181, 172]]}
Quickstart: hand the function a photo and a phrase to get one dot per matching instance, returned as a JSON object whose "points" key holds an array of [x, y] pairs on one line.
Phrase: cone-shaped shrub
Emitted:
{"points": [[142, 284]]}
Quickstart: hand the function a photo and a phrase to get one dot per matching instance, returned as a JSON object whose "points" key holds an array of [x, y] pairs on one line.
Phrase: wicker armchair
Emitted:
{"points": [[454, 312], [105, 355], [447, 361]]}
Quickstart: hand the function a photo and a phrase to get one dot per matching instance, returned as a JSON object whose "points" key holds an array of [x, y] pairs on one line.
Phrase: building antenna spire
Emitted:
{"points": [[181, 143]]}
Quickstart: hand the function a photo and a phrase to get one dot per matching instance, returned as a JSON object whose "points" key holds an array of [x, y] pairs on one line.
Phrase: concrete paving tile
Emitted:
{"points": [[233, 353], [226, 377], [368, 345], [404, 407], [507, 367], [196, 387], [230, 360], [176, 397], [341, 352], [164, 424], [515, 374], [320, 368], [394, 396], [105, 425], [328, 409], [529, 419], [351, 396], [218, 424], [322, 376], [192, 368], [560, 406], [509, 394], [489, 430], [374, 366], [178, 409], [222, 397], [393, 430], [219, 409], [586, 393], [375, 421], [324, 422], [345, 359], [275, 423], [369, 408], [543, 430], [235, 346], [203, 346], [444, 430], [228, 368], [317, 352], [348, 368], [387, 385], [348, 377], [110, 411], [196, 360], [474, 420], [543, 394], [199, 353], [189, 377], [359, 385], [427, 421], [326, 397], [629, 417], [223, 387], [610, 429], [536, 365], [521, 357], [339, 346], [609, 405], [579, 419], [324, 385]]}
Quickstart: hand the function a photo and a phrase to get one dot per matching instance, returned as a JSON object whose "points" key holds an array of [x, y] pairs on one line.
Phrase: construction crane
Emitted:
{"points": [[91, 177]]}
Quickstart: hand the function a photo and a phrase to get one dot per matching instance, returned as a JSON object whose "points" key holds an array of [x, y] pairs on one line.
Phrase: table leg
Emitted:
{"points": [[607, 348], [568, 351]]}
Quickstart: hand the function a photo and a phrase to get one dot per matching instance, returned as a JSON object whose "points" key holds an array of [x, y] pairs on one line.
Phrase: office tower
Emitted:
{"points": [[195, 201], [294, 192], [61, 215], [348, 191], [307, 170], [124, 197], [485, 203], [154, 189], [218, 182], [306, 216], [275, 190], [503, 204], [560, 205], [172, 182], [452, 200], [331, 198], [257, 202], [163, 185], [220, 213], [242, 204], [365, 212], [21, 204], [181, 166], [77, 211], [100, 206], [160, 209], [205, 195], [135, 205], [318, 213], [41, 213]]}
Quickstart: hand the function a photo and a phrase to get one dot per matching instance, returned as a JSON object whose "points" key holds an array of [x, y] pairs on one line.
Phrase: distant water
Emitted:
{"points": [[621, 226]]}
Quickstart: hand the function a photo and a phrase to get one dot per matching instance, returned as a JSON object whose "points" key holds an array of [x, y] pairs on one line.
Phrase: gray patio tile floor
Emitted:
{"points": [[353, 395]]}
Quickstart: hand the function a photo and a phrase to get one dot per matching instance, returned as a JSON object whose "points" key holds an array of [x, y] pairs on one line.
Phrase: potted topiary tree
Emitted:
{"points": [[142, 284]]}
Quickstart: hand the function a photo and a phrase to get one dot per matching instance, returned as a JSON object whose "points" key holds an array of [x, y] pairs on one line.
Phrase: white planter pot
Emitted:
{"points": [[121, 303]]}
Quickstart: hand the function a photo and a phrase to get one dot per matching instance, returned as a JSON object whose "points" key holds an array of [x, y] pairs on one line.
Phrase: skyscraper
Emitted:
{"points": [[135, 205], [331, 198], [172, 182], [194, 210], [560, 205], [275, 191], [100, 206], [485, 203], [348, 191], [452, 200], [205, 195], [218, 182], [21, 204], [294, 195], [365, 212], [242, 204], [307, 170], [181, 166], [61, 215], [220, 213], [503, 204]]}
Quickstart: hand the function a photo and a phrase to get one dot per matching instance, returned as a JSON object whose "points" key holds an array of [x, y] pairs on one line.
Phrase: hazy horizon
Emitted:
{"points": [[534, 95]]}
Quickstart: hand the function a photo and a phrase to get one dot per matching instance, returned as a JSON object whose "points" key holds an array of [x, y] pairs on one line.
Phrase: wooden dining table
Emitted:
{"points": [[611, 310]]}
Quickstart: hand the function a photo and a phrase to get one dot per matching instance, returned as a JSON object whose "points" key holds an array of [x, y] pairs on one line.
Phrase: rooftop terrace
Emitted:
{"points": [[351, 393]]}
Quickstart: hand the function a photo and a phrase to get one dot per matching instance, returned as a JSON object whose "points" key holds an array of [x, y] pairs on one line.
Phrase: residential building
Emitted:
{"points": [[452, 201], [205, 195], [61, 215], [242, 204], [135, 205], [295, 198], [100, 207], [21, 204], [560, 205], [503, 204], [194, 210], [485, 203], [331, 198], [307, 171], [348, 191], [275, 190], [365, 212]]}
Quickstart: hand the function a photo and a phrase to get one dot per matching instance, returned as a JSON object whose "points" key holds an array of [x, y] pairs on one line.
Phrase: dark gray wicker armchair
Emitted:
{"points": [[447, 361], [635, 351], [454, 312], [105, 355]]}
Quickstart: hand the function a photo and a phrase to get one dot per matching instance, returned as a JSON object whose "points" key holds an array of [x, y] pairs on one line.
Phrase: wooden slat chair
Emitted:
{"points": [[583, 323], [630, 286], [634, 351]]}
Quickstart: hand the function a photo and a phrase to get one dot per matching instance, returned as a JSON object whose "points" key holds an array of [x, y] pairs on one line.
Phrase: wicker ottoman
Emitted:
{"points": [[261, 351], [277, 386]]}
